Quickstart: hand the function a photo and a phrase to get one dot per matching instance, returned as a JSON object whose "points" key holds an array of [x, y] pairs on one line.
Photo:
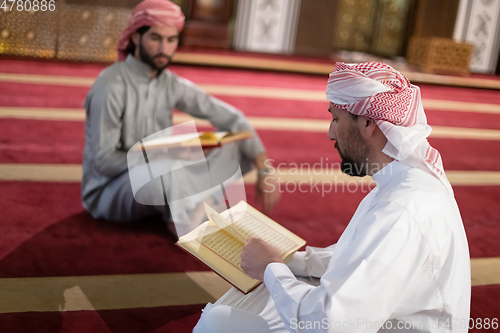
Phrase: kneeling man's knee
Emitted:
{"points": [[215, 318], [226, 319]]}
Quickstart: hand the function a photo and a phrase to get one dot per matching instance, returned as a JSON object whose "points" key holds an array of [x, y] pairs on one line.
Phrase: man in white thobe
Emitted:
{"points": [[402, 263]]}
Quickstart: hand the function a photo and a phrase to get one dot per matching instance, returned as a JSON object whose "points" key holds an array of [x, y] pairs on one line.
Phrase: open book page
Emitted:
{"points": [[225, 245], [247, 221], [172, 141], [253, 223], [219, 242], [214, 135], [219, 251], [234, 136], [224, 223], [205, 139], [249, 225]]}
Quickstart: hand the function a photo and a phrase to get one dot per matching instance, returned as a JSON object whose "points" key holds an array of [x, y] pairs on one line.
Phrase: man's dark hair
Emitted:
{"points": [[142, 30], [131, 47], [354, 116]]}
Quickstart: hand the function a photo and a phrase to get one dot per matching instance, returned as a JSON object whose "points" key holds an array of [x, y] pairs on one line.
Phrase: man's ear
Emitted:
{"points": [[135, 37], [367, 126]]}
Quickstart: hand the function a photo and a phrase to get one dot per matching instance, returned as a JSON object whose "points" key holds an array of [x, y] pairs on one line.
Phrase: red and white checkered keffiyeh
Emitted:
{"points": [[380, 92], [161, 13]]}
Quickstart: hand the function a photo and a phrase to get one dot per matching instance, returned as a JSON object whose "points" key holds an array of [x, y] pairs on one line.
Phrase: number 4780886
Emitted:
{"points": [[28, 5]]}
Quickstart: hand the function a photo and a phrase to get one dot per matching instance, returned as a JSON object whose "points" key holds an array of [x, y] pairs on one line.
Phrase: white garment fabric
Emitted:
{"points": [[402, 264]]}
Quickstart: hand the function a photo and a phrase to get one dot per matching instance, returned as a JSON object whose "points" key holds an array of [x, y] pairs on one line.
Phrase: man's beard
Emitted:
{"points": [[355, 157], [146, 58]]}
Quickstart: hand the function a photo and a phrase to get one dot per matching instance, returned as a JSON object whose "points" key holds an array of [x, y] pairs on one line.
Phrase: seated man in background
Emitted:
{"points": [[402, 263], [135, 98]]}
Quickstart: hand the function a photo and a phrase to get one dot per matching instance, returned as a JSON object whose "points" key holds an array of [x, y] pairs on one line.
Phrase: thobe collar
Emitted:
{"points": [[387, 173], [140, 68]]}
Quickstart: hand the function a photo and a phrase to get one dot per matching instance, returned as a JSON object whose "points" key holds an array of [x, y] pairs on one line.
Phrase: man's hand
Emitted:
{"points": [[256, 255], [267, 192], [267, 189]]}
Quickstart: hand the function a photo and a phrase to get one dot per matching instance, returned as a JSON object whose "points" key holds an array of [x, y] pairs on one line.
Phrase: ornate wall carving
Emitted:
{"points": [[483, 30], [90, 33], [266, 25], [71, 31], [28, 33]]}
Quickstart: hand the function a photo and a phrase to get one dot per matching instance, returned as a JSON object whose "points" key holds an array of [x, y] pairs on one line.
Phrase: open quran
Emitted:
{"points": [[205, 139], [219, 242]]}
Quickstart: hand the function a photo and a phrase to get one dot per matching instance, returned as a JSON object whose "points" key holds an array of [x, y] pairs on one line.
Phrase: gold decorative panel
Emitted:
{"points": [[439, 55], [354, 27], [390, 26], [372, 26], [29, 33], [90, 33]]}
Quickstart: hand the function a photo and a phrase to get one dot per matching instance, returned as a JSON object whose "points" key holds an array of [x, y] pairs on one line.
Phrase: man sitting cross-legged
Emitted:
{"points": [[135, 98]]}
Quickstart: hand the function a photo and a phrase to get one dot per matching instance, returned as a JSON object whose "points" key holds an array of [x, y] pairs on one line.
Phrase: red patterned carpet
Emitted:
{"points": [[44, 231]]}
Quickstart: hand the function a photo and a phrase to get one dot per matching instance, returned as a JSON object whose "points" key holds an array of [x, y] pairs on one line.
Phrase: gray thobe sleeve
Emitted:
{"points": [[225, 117], [105, 105]]}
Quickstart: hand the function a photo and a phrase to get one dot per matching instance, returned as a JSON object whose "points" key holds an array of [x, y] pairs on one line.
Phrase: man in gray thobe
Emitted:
{"points": [[135, 98]]}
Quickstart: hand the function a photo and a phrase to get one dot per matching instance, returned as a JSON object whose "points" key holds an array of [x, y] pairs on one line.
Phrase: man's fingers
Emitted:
{"points": [[268, 206], [252, 239], [252, 243], [259, 197], [270, 200]]}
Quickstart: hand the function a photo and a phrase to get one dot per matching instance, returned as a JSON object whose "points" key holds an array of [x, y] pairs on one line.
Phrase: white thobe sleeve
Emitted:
{"points": [[370, 270], [311, 262]]}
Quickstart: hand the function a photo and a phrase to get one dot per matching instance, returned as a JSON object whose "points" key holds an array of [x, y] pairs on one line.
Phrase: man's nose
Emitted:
{"points": [[162, 47], [332, 133]]}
